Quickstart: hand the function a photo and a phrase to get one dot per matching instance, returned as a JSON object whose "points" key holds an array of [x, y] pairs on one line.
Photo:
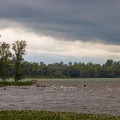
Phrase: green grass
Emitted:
{"points": [[6, 83], [44, 115], [73, 79]]}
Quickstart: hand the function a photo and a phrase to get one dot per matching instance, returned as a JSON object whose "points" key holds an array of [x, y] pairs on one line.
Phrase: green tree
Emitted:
{"points": [[5, 55], [19, 49], [109, 62]]}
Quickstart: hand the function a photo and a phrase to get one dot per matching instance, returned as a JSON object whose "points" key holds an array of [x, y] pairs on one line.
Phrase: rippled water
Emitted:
{"points": [[97, 97]]}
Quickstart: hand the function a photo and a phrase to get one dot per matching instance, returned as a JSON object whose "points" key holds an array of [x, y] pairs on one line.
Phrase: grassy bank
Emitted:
{"points": [[43, 115], [20, 83]]}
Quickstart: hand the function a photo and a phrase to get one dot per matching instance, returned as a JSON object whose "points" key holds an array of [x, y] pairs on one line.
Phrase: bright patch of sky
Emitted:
{"points": [[50, 49]]}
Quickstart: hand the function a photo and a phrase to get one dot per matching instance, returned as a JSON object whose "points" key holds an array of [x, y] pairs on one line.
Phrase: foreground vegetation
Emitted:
{"points": [[18, 83], [44, 115]]}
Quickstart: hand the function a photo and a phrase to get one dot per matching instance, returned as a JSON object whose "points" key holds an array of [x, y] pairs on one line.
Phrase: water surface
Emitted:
{"points": [[82, 96]]}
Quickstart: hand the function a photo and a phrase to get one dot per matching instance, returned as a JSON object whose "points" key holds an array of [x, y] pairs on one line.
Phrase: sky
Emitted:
{"points": [[63, 30]]}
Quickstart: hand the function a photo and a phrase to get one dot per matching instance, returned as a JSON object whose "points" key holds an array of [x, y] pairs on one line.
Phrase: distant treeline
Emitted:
{"points": [[13, 65], [111, 69]]}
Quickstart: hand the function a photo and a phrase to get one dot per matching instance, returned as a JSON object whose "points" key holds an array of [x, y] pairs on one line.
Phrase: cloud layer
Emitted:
{"points": [[78, 19], [51, 50], [61, 30]]}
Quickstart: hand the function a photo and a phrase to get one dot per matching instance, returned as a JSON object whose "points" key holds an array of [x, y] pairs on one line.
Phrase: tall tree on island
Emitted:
{"points": [[5, 55], [19, 49]]}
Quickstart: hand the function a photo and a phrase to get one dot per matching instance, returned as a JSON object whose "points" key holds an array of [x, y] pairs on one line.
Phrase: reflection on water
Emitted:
{"points": [[72, 96]]}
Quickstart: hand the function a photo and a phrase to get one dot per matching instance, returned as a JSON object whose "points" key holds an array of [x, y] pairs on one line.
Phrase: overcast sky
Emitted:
{"points": [[63, 30]]}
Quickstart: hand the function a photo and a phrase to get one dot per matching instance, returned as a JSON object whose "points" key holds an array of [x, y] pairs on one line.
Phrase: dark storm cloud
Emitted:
{"points": [[73, 19]]}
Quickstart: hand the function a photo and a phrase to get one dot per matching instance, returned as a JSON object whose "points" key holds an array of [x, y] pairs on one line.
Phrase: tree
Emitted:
{"points": [[5, 55], [109, 62], [19, 49]]}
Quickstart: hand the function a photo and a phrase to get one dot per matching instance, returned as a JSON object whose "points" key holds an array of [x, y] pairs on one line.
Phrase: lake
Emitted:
{"points": [[94, 96]]}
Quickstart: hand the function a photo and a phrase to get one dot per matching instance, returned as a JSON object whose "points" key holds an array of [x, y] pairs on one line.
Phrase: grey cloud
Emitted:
{"points": [[78, 19]]}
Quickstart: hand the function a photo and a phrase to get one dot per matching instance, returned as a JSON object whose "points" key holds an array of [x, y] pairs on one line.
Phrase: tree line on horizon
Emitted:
{"points": [[111, 69], [14, 66]]}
